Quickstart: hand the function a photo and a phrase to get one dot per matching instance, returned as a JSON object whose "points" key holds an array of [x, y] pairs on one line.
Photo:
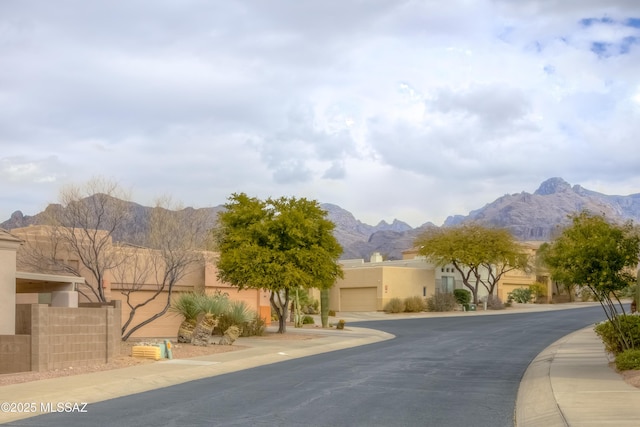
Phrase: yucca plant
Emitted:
{"points": [[217, 304], [212, 308], [238, 314], [188, 305]]}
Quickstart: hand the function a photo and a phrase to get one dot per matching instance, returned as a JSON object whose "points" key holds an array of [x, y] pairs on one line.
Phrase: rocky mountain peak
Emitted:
{"points": [[552, 186]]}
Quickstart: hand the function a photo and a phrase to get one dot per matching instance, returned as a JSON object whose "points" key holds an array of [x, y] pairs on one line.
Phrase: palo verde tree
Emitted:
{"points": [[277, 244], [600, 255], [480, 254]]}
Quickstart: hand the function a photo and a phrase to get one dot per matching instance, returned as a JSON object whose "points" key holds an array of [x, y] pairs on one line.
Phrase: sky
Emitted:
{"points": [[414, 110]]}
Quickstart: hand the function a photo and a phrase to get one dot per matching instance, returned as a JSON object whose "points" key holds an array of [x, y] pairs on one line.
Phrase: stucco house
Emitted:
{"points": [[42, 314], [370, 285]]}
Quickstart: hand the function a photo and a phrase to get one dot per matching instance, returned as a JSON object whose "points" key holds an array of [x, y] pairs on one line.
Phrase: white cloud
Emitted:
{"points": [[407, 109]]}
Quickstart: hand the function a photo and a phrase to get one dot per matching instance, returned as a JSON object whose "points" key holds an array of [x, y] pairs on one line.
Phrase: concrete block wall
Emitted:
{"points": [[15, 353], [62, 337], [23, 319]]}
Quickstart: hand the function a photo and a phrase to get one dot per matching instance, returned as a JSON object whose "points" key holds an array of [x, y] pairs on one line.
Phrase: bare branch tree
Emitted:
{"points": [[78, 234], [177, 238]]}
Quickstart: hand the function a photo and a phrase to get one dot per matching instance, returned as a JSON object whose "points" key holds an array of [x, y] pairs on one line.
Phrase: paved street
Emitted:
{"points": [[447, 371]]}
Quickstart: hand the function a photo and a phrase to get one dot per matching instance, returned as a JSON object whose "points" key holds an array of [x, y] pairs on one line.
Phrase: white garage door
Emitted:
{"points": [[358, 299]]}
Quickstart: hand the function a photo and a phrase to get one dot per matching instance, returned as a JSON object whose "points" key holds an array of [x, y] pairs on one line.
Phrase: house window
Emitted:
{"points": [[447, 284]]}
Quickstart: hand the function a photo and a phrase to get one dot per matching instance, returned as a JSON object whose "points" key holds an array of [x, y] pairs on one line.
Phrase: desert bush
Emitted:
{"points": [[414, 304], [255, 327], [395, 305], [238, 314], [538, 290], [308, 304], [462, 296], [216, 304], [340, 324], [586, 294], [443, 301], [628, 359], [308, 320], [494, 303], [187, 304], [613, 339], [332, 313], [521, 295]]}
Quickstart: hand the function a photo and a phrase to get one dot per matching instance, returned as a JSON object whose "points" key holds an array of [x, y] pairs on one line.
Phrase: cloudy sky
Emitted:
{"points": [[414, 110]]}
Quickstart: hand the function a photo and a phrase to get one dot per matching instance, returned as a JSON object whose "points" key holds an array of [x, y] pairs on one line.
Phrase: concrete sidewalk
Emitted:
{"points": [[571, 384], [568, 384]]}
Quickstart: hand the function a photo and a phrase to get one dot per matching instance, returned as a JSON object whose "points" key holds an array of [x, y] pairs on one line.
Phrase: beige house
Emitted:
{"points": [[369, 286], [53, 333], [517, 279], [129, 287]]}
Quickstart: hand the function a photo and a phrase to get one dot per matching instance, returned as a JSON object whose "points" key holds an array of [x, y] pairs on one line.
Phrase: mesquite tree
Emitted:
{"points": [[600, 255]]}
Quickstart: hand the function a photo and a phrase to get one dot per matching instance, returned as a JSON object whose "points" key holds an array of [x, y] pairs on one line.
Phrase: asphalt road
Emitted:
{"points": [[454, 371]]}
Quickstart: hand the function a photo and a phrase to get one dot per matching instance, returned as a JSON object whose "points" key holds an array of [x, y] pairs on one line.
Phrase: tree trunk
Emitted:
{"points": [[281, 309], [324, 307], [297, 319], [185, 332]]}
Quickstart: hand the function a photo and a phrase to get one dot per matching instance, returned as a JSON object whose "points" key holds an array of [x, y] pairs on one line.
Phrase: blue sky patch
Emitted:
{"points": [[632, 22]]}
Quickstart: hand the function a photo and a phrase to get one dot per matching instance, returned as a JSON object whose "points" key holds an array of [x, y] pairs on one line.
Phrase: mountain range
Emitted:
{"points": [[528, 216]]}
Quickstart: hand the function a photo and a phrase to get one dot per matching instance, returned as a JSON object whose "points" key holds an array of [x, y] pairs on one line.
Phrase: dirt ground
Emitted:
{"points": [[180, 351], [630, 377]]}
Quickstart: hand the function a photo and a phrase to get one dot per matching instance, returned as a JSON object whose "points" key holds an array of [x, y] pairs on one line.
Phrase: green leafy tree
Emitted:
{"points": [[481, 255], [595, 253], [277, 244]]}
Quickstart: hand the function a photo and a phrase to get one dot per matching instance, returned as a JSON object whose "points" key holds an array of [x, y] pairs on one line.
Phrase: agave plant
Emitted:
{"points": [[188, 305]]}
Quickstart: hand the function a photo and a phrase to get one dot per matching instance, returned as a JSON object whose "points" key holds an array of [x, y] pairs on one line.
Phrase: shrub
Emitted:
{"points": [[538, 290], [441, 302], [395, 305], [340, 324], [628, 359], [255, 327], [238, 314], [586, 294], [462, 296], [216, 304], [522, 295], [629, 326], [187, 304], [308, 320], [414, 304], [494, 303], [332, 313]]}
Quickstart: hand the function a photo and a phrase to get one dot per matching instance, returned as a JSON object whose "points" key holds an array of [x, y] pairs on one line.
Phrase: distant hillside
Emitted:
{"points": [[536, 216], [529, 217], [352, 234]]}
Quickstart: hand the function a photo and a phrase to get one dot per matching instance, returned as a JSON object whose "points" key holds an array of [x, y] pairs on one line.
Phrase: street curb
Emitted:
{"points": [[536, 405]]}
